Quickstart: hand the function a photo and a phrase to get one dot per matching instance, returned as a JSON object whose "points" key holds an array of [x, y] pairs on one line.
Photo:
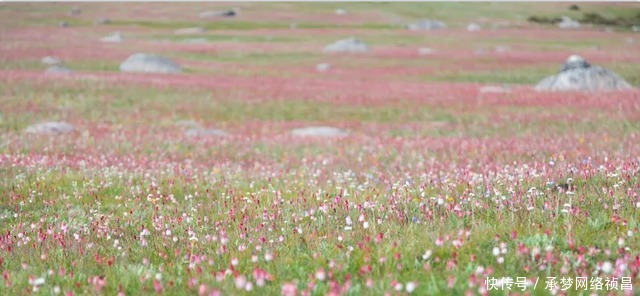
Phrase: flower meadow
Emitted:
{"points": [[434, 186]]}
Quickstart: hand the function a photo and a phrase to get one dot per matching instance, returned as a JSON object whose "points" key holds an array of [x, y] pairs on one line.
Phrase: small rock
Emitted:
{"points": [[103, 21], [52, 127], [480, 51], [49, 60], [148, 63], [113, 38], [75, 11], [187, 31], [494, 89], [635, 28], [226, 13], [425, 51], [58, 69], [63, 24], [323, 67], [350, 45], [293, 26], [501, 49], [319, 131], [341, 11], [196, 40], [203, 132], [568, 23], [426, 25], [473, 27], [187, 123]]}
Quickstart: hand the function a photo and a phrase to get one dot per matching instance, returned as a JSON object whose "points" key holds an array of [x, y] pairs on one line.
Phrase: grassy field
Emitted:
{"points": [[440, 188]]}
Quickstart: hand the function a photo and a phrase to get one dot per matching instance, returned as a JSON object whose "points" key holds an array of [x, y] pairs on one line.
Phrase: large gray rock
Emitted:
{"points": [[319, 131], [350, 45], [426, 25], [147, 63], [51, 127], [578, 75]]}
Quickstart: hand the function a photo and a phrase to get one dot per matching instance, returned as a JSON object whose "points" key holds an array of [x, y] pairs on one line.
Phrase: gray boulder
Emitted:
{"points": [[51, 127], [319, 131], [350, 45], [578, 75], [426, 25], [147, 63]]}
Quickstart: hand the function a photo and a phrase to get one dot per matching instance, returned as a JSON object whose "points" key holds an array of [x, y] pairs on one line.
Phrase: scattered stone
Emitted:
{"points": [[426, 25], [49, 60], [187, 31], [425, 51], [58, 69], [480, 51], [319, 131], [473, 27], [187, 123], [501, 49], [75, 11], [568, 23], [51, 127], [113, 38], [495, 89], [341, 11], [635, 28], [203, 132], [63, 24], [578, 75], [103, 21], [323, 67], [147, 63], [351, 45], [227, 13], [196, 40]]}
